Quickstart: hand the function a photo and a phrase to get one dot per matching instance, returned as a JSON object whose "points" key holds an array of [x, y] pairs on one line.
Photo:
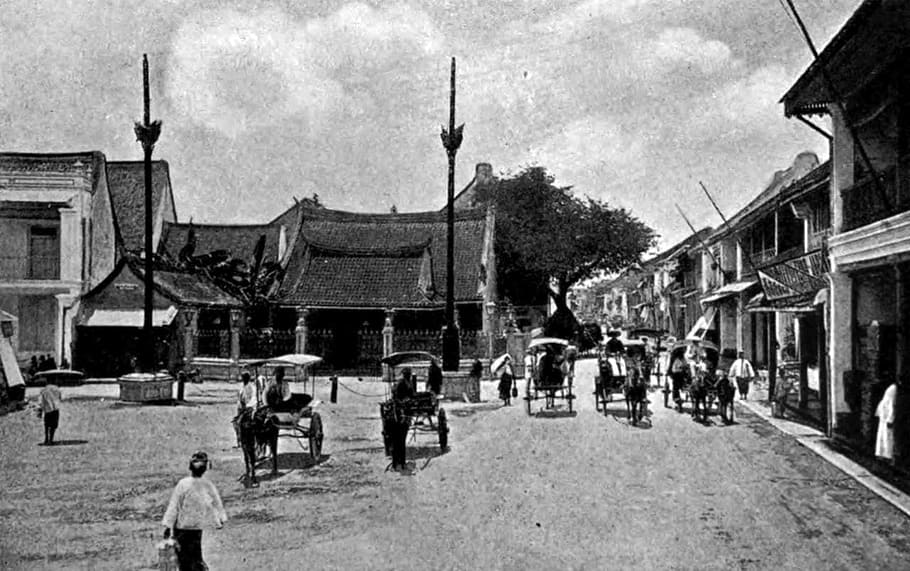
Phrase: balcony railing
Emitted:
{"points": [[863, 203]]}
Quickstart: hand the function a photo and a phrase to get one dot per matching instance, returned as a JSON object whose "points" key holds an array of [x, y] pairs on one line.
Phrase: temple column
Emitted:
{"points": [[301, 330], [388, 341]]}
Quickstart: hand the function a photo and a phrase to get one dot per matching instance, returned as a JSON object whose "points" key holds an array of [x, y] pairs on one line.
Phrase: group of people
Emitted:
{"points": [[690, 363], [41, 363]]}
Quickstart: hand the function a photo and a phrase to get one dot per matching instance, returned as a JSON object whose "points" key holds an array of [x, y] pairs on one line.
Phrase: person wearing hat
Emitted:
{"points": [[195, 505], [247, 399]]}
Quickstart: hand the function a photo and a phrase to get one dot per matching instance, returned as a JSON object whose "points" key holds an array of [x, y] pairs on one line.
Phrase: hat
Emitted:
{"points": [[200, 458]]}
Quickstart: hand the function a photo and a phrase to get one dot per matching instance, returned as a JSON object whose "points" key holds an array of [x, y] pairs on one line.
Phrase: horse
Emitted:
{"points": [[726, 393], [698, 394], [257, 432], [635, 390]]}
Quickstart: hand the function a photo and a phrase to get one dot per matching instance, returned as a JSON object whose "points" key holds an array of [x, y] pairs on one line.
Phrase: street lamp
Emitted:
{"points": [[451, 140]]}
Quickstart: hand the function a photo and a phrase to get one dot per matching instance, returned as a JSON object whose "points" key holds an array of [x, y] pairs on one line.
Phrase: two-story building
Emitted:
{"points": [[861, 80], [65, 221], [57, 236]]}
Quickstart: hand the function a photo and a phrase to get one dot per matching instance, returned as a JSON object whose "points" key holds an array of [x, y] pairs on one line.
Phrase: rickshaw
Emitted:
{"points": [[555, 383], [264, 427], [419, 411]]}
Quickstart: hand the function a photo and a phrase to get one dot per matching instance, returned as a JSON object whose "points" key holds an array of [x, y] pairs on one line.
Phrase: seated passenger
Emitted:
{"points": [[280, 398]]}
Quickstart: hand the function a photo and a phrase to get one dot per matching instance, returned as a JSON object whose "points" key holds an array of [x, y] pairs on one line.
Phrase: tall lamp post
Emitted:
{"points": [[451, 140], [147, 133]]}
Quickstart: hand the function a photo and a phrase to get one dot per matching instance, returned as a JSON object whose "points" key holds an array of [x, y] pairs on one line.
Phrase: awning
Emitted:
{"points": [[701, 327], [729, 290], [793, 304], [130, 317]]}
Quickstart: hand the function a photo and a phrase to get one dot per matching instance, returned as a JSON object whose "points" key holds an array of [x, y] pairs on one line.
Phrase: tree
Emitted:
{"points": [[548, 238]]}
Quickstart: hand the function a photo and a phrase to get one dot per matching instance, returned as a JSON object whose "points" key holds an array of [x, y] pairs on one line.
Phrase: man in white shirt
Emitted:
{"points": [[195, 505], [49, 408], [741, 370]]}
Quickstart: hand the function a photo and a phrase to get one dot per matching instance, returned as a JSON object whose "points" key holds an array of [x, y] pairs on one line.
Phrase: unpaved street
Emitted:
{"points": [[514, 492]]}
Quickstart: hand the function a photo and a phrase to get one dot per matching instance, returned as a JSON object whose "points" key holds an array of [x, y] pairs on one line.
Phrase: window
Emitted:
{"points": [[43, 253], [821, 215]]}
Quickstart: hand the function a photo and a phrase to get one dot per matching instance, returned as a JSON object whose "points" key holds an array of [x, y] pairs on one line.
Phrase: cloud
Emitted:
{"points": [[234, 71], [686, 47], [585, 146]]}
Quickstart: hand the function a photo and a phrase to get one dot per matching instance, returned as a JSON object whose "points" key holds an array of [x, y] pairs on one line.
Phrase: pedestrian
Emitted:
{"points": [[32, 368], [884, 438], [476, 369], [42, 363], [399, 424], [49, 407], [742, 372], [434, 378], [51, 363], [506, 379], [529, 366], [195, 506], [679, 371], [246, 399]]}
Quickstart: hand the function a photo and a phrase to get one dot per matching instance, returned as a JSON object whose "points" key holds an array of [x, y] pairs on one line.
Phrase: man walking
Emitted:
{"points": [[49, 407], [742, 372], [195, 505]]}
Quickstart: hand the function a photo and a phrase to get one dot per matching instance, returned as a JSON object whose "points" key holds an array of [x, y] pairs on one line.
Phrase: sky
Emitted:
{"points": [[628, 101]]}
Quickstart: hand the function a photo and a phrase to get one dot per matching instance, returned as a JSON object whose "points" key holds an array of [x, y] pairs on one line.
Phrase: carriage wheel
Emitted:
{"points": [[442, 426], [316, 435]]}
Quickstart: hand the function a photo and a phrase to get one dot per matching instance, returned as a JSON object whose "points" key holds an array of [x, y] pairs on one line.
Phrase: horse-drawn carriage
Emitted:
{"points": [[553, 374], [621, 372], [260, 428], [418, 411], [704, 382]]}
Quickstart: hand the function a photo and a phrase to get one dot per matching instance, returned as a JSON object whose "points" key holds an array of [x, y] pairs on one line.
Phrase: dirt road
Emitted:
{"points": [[514, 492]]}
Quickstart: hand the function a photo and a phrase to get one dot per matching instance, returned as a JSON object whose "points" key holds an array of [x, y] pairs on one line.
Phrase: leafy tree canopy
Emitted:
{"points": [[547, 236]]}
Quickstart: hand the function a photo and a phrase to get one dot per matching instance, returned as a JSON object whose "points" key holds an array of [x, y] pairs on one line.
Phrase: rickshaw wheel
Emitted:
{"points": [[442, 426], [315, 437]]}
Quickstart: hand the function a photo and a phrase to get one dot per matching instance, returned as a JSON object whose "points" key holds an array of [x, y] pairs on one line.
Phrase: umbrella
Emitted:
{"points": [[289, 360], [548, 341], [499, 362], [396, 359]]}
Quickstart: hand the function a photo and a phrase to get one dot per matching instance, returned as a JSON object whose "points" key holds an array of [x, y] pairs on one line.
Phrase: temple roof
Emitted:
{"points": [[382, 260], [126, 183]]}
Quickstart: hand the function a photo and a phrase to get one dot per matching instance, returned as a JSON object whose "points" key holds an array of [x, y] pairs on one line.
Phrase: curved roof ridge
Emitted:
{"points": [[388, 217], [216, 225], [406, 250]]}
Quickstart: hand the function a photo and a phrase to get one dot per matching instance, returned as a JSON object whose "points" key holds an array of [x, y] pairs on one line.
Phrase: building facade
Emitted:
{"points": [[869, 248]]}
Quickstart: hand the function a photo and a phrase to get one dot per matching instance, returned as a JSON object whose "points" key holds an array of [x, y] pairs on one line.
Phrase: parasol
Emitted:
{"points": [[499, 362], [548, 341]]}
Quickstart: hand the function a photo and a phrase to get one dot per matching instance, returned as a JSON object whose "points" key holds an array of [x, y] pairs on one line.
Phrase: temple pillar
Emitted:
{"points": [[388, 341], [190, 318], [301, 330]]}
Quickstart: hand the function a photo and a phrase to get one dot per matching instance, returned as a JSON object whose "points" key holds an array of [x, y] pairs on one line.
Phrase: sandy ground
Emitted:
{"points": [[555, 491]]}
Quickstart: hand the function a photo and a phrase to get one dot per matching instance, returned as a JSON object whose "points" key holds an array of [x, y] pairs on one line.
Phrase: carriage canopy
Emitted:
{"points": [[401, 357], [289, 360]]}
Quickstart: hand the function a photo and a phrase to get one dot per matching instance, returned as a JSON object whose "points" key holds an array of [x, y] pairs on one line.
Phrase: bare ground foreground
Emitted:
{"points": [[554, 491]]}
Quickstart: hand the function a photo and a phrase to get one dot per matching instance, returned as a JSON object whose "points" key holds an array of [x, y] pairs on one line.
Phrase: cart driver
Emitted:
{"points": [[280, 398], [404, 389]]}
